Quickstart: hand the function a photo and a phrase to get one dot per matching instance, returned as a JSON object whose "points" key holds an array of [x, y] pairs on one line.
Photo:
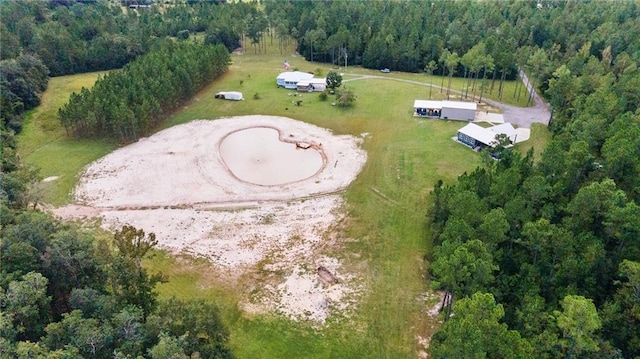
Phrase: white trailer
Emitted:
{"points": [[230, 95]]}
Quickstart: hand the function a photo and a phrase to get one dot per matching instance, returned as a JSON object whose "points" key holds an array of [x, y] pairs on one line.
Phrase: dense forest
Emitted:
{"points": [[128, 104], [538, 258]]}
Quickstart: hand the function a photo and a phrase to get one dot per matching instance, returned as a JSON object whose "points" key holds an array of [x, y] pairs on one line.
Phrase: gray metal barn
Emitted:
{"points": [[458, 110]]}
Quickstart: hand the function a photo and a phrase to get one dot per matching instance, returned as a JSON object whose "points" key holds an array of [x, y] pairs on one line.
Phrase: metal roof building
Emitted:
{"points": [[290, 79], [479, 137], [453, 110]]}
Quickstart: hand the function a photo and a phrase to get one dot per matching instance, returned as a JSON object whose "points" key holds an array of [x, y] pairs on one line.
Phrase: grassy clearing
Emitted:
{"points": [[540, 136], [513, 93], [44, 144], [386, 204]]}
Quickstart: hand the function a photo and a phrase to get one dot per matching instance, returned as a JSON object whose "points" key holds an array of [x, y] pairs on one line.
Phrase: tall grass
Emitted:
{"points": [[386, 205]]}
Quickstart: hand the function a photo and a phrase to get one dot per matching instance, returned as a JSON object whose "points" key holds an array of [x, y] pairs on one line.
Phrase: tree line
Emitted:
{"points": [[455, 38], [64, 295], [53, 38], [547, 252], [76, 36], [128, 103], [22, 80]]}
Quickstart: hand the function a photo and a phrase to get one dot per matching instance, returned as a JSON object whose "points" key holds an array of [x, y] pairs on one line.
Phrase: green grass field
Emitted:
{"points": [[386, 205]]}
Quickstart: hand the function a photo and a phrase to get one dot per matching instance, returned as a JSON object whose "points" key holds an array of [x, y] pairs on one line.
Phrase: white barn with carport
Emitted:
{"points": [[427, 108], [452, 110]]}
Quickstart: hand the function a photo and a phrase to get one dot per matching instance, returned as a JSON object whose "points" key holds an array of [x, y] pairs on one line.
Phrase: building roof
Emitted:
{"points": [[481, 134], [314, 81], [295, 76], [435, 105], [460, 105], [505, 128]]}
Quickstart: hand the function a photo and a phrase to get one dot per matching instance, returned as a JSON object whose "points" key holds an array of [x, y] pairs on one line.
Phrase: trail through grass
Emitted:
{"points": [[386, 205]]}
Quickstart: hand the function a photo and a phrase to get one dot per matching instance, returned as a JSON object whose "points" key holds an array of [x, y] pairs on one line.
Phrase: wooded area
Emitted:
{"points": [[541, 258], [129, 103]]}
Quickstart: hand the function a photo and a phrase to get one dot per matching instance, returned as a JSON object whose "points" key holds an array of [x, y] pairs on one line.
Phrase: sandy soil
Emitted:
{"points": [[176, 185]]}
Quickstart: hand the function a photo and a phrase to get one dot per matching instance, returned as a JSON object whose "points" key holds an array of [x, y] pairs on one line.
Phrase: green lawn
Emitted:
{"points": [[540, 136], [386, 205], [44, 144]]}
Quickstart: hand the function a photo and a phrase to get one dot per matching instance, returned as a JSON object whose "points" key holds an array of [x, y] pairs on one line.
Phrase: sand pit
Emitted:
{"points": [[177, 185]]}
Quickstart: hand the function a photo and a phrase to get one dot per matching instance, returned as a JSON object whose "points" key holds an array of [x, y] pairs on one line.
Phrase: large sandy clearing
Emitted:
{"points": [[176, 185]]}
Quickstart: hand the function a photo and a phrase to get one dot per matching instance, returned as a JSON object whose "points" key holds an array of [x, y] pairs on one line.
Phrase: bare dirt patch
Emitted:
{"points": [[176, 185]]}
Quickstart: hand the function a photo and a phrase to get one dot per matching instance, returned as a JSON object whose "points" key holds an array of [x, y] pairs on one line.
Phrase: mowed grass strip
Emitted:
{"points": [[387, 233], [44, 144]]}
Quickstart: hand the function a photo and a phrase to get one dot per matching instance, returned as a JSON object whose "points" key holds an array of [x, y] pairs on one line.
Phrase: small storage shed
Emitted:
{"points": [[458, 110], [314, 84], [229, 95], [290, 79]]}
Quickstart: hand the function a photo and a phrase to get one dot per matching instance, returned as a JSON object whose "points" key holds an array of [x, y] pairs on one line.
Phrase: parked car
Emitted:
{"points": [[385, 70]]}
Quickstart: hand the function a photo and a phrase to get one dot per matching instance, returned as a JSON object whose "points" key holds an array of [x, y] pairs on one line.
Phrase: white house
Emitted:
{"points": [[478, 137], [290, 79], [453, 110]]}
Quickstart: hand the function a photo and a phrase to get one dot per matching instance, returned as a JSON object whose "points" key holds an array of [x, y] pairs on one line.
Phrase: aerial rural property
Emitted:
{"points": [[287, 179]]}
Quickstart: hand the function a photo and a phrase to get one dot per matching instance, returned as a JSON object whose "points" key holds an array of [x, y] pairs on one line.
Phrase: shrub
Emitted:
{"points": [[345, 97], [183, 34]]}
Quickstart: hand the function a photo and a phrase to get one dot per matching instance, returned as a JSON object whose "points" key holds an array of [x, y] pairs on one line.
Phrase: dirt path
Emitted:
{"points": [[520, 116]]}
